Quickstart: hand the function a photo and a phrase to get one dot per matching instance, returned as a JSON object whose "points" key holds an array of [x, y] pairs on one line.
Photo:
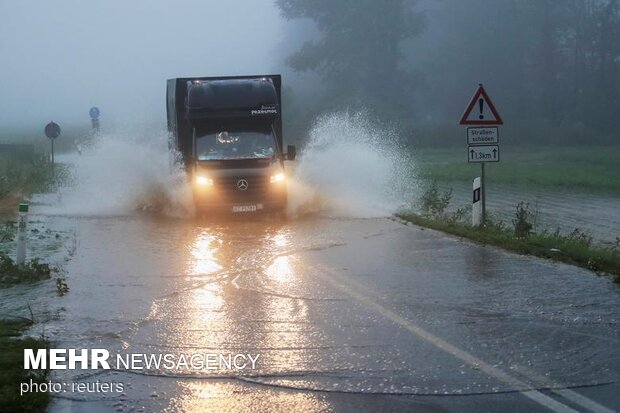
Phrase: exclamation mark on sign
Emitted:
{"points": [[481, 105]]}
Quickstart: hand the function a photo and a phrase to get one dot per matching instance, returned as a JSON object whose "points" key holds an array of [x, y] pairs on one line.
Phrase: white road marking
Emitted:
{"points": [[583, 401], [524, 388], [547, 401], [568, 394]]}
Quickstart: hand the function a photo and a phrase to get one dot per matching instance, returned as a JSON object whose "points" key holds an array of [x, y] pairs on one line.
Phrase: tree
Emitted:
{"points": [[552, 66], [359, 54]]}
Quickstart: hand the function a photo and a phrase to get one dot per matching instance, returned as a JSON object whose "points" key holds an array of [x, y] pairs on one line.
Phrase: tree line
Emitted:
{"points": [[552, 66]]}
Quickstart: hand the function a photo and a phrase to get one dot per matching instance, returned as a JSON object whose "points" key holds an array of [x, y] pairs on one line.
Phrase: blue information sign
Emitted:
{"points": [[94, 112]]}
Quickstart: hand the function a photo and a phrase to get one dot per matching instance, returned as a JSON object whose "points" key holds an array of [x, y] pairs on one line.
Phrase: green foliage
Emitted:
{"points": [[29, 176], [359, 54], [555, 64], [554, 73], [522, 221], [434, 203], [61, 286], [580, 237], [7, 232], [574, 248], [13, 373], [459, 215], [32, 271], [594, 168]]}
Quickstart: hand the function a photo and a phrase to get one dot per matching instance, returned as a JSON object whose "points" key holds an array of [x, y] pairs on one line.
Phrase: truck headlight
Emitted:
{"points": [[204, 181], [279, 177]]}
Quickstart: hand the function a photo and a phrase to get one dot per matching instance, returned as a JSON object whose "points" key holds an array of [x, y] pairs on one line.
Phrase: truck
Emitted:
{"points": [[226, 133]]}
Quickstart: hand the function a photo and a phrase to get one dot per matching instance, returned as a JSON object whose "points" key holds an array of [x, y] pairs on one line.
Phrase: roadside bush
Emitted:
{"points": [[522, 221], [459, 216], [7, 233], [30, 176], [34, 270], [434, 203], [496, 225], [580, 237], [61, 286]]}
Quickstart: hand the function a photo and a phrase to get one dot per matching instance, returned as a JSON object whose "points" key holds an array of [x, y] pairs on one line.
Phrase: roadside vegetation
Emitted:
{"points": [[21, 176], [23, 171], [589, 168], [28, 174], [575, 248], [13, 373], [32, 271]]}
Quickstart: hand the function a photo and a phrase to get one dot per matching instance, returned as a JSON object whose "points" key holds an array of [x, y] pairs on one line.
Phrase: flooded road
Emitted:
{"points": [[346, 314], [552, 208]]}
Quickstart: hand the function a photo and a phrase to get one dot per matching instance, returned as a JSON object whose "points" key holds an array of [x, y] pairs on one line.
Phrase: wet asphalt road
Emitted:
{"points": [[346, 314]]}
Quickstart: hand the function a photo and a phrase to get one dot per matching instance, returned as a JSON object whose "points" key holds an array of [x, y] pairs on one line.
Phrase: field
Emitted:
{"points": [[587, 168]]}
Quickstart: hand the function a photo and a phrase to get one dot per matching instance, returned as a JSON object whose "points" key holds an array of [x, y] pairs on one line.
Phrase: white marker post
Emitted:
{"points": [[22, 223], [476, 208]]}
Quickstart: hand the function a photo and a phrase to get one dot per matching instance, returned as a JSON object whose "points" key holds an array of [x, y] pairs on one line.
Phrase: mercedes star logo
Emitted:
{"points": [[242, 184]]}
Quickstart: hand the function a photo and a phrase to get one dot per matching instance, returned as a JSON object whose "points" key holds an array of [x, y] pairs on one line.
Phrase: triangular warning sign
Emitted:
{"points": [[481, 110]]}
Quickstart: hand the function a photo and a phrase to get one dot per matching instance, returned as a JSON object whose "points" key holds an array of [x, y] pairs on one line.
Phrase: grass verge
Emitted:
{"points": [[21, 177], [11, 359], [32, 271], [574, 248]]}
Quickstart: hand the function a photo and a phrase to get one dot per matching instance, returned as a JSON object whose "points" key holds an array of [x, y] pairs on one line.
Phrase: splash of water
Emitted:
{"points": [[351, 167], [121, 173]]}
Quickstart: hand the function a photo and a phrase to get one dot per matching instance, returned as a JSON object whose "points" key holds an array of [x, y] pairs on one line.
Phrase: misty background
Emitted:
{"points": [[552, 67]]}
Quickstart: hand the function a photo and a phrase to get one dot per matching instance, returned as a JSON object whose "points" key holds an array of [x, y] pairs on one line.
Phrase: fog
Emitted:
{"points": [[551, 67], [59, 58]]}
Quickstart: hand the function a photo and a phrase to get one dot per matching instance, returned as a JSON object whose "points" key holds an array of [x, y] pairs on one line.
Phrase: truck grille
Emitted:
{"points": [[257, 187]]}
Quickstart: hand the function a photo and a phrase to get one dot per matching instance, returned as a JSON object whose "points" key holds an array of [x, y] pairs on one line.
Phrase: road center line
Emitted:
{"points": [[338, 281]]}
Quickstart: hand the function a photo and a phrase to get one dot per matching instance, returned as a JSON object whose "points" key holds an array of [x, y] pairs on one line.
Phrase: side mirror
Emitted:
{"points": [[291, 152]]}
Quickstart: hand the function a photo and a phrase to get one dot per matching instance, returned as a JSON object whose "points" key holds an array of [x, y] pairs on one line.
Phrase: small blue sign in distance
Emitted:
{"points": [[94, 112]]}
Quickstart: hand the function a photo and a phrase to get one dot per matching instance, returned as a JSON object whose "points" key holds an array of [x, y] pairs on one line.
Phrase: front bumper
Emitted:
{"points": [[216, 200]]}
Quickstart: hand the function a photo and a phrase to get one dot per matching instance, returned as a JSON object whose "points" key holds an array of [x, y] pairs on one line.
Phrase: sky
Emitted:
{"points": [[59, 58]]}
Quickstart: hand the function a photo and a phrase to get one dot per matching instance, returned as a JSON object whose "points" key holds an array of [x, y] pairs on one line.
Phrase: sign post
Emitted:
{"points": [[52, 131], [482, 144], [94, 118]]}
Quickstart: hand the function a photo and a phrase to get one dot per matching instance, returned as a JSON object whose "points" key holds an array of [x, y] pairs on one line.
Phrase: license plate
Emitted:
{"points": [[244, 208]]}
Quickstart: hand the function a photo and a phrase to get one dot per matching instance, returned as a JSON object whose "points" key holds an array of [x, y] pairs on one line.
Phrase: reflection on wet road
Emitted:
{"points": [[347, 315]]}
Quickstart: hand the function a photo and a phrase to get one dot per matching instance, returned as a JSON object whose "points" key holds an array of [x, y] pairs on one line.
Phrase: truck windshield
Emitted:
{"points": [[235, 145]]}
